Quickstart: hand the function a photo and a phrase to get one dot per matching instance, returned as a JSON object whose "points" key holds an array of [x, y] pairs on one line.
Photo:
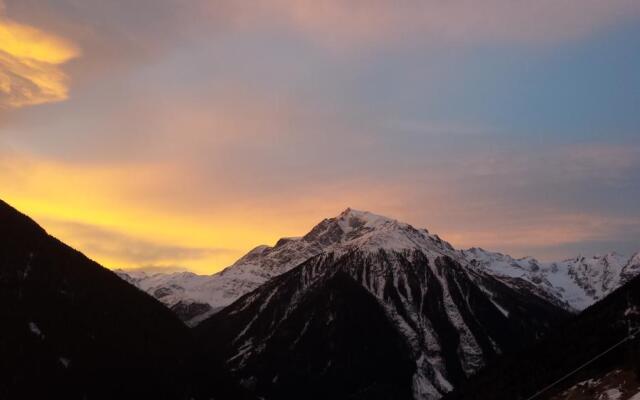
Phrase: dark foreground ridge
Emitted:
{"points": [[72, 329]]}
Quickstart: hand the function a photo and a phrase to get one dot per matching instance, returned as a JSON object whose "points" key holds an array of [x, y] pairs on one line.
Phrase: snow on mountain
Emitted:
{"points": [[588, 357], [572, 284], [195, 297], [578, 282], [186, 293], [389, 282], [380, 284]]}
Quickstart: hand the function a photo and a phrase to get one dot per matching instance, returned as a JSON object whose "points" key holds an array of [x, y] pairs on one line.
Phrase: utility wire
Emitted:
{"points": [[630, 336]]}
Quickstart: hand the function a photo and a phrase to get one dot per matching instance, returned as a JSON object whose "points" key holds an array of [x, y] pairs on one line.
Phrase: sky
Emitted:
{"points": [[169, 135]]}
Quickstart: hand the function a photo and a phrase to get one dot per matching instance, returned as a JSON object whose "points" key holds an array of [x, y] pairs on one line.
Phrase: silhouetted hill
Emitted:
{"points": [[71, 329]]}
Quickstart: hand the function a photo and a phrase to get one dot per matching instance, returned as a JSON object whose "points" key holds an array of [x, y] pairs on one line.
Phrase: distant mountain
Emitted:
{"points": [[572, 284], [185, 293], [578, 282], [521, 374], [195, 297], [71, 329], [384, 311]]}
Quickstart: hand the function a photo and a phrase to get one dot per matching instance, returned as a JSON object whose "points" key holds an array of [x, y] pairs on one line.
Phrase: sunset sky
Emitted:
{"points": [[173, 134]]}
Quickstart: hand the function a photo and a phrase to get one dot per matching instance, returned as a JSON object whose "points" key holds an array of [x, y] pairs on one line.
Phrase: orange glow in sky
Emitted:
{"points": [[168, 134], [89, 209]]}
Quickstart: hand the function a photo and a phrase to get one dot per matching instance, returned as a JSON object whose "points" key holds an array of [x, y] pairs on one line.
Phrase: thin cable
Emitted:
{"points": [[631, 335]]}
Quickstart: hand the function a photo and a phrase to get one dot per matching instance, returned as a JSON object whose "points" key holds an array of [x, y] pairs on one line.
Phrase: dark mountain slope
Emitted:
{"points": [[372, 323], [73, 329], [519, 375], [338, 319]]}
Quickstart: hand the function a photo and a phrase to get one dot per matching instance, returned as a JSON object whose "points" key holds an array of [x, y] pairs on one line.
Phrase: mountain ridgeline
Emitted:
{"points": [[361, 307], [72, 329], [572, 284], [387, 311]]}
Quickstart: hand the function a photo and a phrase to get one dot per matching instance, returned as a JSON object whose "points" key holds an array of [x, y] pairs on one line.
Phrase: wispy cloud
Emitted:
{"points": [[226, 124], [30, 64], [109, 244]]}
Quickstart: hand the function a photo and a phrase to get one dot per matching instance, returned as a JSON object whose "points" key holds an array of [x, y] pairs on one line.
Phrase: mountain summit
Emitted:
{"points": [[572, 284], [395, 306], [368, 231], [361, 307], [195, 297]]}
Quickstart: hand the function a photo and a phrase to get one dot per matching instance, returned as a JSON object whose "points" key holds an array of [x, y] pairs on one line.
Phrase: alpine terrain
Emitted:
{"points": [[384, 310], [572, 284], [576, 283], [361, 307]]}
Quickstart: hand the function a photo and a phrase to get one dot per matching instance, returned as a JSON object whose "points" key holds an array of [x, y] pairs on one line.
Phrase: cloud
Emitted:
{"points": [[545, 204], [546, 235], [108, 244], [228, 130], [340, 22], [590, 161], [30, 65]]}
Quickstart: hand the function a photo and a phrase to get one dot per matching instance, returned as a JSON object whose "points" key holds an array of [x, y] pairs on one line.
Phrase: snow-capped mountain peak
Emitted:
{"points": [[367, 231], [351, 229], [350, 220], [453, 319], [456, 310], [573, 284], [350, 224]]}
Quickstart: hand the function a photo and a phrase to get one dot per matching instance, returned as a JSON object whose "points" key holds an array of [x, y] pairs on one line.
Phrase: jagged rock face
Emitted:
{"points": [[297, 330], [575, 283]]}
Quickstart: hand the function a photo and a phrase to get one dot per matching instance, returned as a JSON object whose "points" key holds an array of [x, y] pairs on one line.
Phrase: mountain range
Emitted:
{"points": [[361, 307], [572, 284], [389, 302], [454, 311]]}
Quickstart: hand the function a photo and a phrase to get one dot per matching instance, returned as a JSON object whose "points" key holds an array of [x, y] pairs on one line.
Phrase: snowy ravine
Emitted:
{"points": [[396, 306], [573, 284]]}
